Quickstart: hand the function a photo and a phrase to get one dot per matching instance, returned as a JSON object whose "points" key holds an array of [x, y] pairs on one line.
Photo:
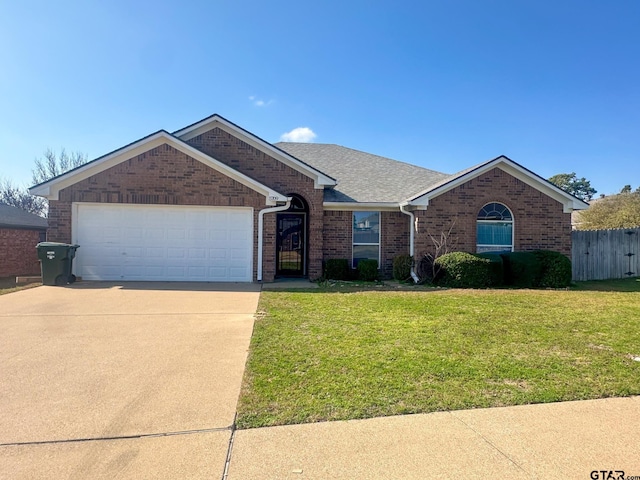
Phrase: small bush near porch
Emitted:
{"points": [[320, 355]]}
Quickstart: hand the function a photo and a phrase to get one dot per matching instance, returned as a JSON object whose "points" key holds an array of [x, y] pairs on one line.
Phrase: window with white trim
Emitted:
{"points": [[494, 229], [366, 237]]}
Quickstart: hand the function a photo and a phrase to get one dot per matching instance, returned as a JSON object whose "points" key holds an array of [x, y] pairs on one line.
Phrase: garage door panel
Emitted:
{"points": [[177, 252], [154, 252], [217, 235], [153, 233], [154, 272], [126, 242], [197, 235], [132, 252], [134, 233], [175, 234]]}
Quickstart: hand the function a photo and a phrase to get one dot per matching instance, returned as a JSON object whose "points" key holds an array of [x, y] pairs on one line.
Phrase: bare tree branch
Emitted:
{"points": [[53, 165], [21, 198], [443, 243]]}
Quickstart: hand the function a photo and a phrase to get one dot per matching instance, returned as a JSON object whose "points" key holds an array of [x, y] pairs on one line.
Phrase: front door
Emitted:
{"points": [[290, 244]]}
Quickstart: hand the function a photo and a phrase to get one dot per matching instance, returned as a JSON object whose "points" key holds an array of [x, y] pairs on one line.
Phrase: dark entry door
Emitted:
{"points": [[290, 244]]}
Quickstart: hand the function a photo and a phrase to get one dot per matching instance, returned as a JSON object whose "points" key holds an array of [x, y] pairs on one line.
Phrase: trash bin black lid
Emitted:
{"points": [[55, 244]]}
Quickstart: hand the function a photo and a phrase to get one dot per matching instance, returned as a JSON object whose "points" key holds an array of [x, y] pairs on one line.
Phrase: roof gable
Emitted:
{"points": [[514, 169], [320, 179], [51, 188]]}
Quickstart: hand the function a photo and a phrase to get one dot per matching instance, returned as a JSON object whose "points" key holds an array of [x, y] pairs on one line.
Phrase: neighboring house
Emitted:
{"points": [[20, 232], [214, 202]]}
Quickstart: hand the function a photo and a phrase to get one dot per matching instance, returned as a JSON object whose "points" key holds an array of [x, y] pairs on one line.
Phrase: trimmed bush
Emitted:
{"points": [[368, 270], [463, 270], [402, 267], [521, 269], [336, 269], [556, 269], [497, 268]]}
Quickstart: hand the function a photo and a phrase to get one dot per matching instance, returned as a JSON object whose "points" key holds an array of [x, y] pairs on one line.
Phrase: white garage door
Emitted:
{"points": [[163, 243]]}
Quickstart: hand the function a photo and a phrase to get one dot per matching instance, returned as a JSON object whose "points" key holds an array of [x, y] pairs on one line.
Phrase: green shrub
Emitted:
{"points": [[367, 270], [556, 269], [497, 268], [463, 270], [402, 267], [521, 269], [336, 269]]}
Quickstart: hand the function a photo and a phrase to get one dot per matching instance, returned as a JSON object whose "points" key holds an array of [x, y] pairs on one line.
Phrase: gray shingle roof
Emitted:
{"points": [[13, 217], [363, 177]]}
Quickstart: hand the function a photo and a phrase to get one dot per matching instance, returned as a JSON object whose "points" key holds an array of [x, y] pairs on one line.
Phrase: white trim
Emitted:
{"points": [[261, 233], [379, 243], [355, 206], [513, 228], [412, 230], [569, 202], [51, 189], [320, 179], [305, 243]]}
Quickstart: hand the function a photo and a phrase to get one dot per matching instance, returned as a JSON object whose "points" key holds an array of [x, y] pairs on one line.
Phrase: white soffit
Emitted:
{"points": [[355, 206]]}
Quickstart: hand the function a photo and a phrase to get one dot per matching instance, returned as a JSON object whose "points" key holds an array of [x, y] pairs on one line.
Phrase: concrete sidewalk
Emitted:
{"points": [[560, 440]]}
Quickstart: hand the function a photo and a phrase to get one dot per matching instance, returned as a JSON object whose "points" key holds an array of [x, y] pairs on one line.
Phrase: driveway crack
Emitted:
{"points": [[122, 437], [230, 449], [490, 443]]}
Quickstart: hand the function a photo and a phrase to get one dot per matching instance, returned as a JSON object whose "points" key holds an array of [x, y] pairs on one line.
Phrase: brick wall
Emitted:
{"points": [[394, 230], [337, 234], [18, 254], [161, 176], [243, 157], [538, 220], [166, 176], [394, 237]]}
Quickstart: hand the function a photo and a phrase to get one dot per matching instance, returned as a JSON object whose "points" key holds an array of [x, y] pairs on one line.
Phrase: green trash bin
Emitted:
{"points": [[56, 260]]}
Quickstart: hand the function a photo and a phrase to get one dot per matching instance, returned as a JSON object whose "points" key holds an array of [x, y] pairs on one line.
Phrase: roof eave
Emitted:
{"points": [[51, 189], [361, 206], [569, 202]]}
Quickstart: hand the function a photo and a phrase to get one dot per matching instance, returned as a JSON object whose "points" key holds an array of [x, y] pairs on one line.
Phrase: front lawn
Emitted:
{"points": [[324, 355]]}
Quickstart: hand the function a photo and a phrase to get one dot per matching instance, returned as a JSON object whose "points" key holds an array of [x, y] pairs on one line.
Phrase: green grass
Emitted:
{"points": [[624, 285], [327, 355]]}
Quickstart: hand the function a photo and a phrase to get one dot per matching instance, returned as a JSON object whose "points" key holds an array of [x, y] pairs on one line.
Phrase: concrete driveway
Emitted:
{"points": [[135, 380]]}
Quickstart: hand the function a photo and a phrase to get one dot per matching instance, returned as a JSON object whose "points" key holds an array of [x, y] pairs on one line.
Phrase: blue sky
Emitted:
{"points": [[554, 85]]}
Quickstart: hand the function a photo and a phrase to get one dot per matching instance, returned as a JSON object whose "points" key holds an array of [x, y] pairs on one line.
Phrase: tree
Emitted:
{"points": [[615, 211], [45, 169], [51, 165], [21, 198], [570, 183], [443, 243], [626, 189]]}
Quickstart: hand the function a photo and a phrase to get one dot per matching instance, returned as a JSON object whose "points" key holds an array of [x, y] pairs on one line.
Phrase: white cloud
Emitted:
{"points": [[300, 135], [258, 102]]}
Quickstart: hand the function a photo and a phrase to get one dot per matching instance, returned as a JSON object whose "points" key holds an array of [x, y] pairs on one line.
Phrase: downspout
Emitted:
{"points": [[261, 233], [412, 228]]}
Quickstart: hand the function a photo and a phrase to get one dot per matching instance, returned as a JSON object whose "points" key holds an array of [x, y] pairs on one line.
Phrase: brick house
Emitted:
{"points": [[20, 232], [214, 202]]}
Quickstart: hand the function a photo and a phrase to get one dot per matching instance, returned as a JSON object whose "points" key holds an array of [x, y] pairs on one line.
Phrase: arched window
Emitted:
{"points": [[495, 229]]}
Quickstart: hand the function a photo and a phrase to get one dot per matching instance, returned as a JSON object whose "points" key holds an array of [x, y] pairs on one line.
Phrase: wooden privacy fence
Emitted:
{"points": [[604, 254]]}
